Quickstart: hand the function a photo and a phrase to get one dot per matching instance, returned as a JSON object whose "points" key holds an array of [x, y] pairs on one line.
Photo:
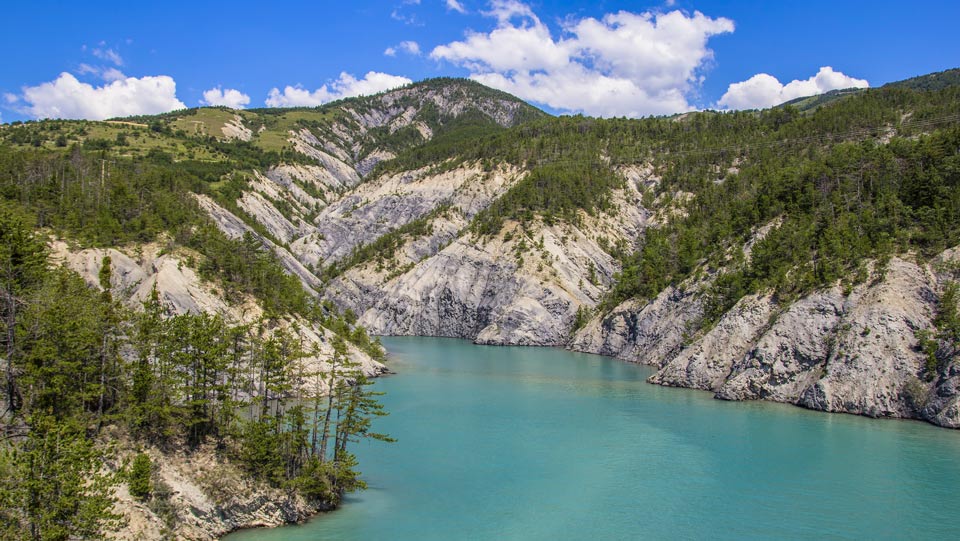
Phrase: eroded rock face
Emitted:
{"points": [[182, 291], [939, 404], [209, 498], [850, 351], [789, 357], [876, 351], [646, 333], [235, 129], [523, 287], [376, 208], [468, 292], [707, 363]]}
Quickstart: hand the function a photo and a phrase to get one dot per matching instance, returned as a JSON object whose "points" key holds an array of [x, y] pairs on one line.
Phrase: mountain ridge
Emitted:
{"points": [[513, 227]]}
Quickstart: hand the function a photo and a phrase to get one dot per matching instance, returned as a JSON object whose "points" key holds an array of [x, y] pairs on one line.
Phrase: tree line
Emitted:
{"points": [[77, 361], [78, 366]]}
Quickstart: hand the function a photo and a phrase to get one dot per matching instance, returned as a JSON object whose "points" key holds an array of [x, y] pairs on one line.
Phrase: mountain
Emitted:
{"points": [[448, 209], [698, 244], [930, 82], [148, 329], [810, 103], [805, 254]]}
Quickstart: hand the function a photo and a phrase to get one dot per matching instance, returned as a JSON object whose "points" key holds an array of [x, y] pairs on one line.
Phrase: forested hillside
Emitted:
{"points": [[83, 371], [198, 283], [141, 335]]}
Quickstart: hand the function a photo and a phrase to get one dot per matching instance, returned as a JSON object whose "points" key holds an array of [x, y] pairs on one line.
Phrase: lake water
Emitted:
{"points": [[503, 443]]}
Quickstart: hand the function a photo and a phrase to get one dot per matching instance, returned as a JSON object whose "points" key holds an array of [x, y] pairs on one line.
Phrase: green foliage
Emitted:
{"points": [[384, 248], [941, 346], [244, 266], [553, 191], [837, 202], [56, 490], [102, 203], [930, 82], [185, 380], [140, 476], [581, 318]]}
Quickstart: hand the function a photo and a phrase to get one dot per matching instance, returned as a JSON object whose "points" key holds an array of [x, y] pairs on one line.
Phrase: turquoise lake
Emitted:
{"points": [[499, 443]]}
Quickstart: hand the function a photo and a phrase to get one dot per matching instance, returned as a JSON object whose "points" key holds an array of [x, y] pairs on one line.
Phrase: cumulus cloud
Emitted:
{"points": [[344, 87], [455, 5], [764, 90], [66, 97], [623, 64], [230, 97]]}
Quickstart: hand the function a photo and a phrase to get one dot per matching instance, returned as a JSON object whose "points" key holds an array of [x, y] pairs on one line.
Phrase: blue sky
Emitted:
{"points": [[604, 57]]}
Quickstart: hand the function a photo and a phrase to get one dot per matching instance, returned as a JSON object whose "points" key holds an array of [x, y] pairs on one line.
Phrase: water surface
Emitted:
{"points": [[500, 443]]}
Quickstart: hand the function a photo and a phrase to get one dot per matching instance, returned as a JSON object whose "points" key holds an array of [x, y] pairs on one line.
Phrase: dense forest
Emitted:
{"points": [[80, 368]]}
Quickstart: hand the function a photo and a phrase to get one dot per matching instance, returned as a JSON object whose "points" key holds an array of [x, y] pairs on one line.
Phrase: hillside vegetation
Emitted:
{"points": [[867, 176], [490, 217]]}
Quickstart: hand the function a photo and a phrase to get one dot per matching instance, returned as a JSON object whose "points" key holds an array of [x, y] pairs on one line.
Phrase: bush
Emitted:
{"points": [[139, 479]]}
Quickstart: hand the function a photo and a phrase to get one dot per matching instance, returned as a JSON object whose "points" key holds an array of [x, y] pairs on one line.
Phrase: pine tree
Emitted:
{"points": [[22, 267]]}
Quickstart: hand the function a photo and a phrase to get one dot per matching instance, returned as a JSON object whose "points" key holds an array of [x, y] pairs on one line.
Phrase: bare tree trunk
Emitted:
{"points": [[326, 419], [13, 395]]}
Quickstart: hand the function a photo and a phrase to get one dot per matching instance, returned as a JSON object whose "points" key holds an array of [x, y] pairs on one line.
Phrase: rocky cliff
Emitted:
{"points": [[201, 498], [199, 495], [852, 350], [398, 247]]}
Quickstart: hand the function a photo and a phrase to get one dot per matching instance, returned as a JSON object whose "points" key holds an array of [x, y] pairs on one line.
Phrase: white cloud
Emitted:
{"points": [[409, 47], [107, 74], [230, 97], [109, 55], [66, 97], [86, 69], [504, 10], [10, 98], [112, 74], [344, 87], [399, 15], [455, 5], [764, 90], [624, 64]]}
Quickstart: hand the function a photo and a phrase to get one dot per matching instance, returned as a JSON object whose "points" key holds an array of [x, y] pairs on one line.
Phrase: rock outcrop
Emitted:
{"points": [[853, 351], [706, 364], [181, 290], [791, 355], [523, 286], [199, 497]]}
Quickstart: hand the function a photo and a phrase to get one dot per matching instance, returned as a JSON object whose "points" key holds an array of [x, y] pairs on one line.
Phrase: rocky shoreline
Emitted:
{"points": [[848, 350], [198, 496]]}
